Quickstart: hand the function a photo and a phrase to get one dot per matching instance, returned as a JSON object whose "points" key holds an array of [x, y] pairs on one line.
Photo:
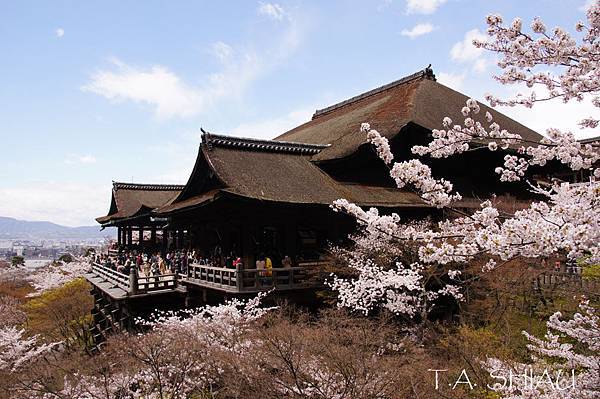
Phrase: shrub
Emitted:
{"points": [[67, 258], [63, 314], [17, 261]]}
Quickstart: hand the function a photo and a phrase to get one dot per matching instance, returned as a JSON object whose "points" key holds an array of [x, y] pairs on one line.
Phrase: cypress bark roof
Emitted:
{"points": [[257, 169], [417, 98], [132, 199], [287, 170]]}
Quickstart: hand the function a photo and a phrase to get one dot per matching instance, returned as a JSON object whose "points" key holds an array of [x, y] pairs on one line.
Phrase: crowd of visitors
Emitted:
{"points": [[149, 263]]}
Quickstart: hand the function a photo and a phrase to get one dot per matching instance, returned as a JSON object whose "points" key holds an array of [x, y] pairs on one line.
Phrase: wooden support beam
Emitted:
{"points": [[180, 239]]}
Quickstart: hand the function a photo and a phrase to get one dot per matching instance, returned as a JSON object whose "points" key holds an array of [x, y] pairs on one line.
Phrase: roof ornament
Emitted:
{"points": [[428, 73], [206, 140]]}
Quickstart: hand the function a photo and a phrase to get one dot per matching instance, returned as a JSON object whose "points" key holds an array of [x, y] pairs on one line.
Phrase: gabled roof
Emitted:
{"points": [[590, 140], [247, 143], [132, 199], [269, 170], [417, 98], [287, 170]]}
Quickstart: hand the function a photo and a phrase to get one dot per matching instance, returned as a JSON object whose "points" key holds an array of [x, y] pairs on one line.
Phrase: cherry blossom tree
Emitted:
{"points": [[16, 349], [565, 223], [184, 354], [566, 363], [56, 274]]}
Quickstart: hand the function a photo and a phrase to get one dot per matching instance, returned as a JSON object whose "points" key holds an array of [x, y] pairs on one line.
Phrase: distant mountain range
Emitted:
{"points": [[13, 228]]}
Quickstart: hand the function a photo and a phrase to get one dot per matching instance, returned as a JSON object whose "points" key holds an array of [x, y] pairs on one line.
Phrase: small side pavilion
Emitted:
{"points": [[132, 212]]}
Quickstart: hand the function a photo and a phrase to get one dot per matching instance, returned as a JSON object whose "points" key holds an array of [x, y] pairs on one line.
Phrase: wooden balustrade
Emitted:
{"points": [[134, 284], [227, 279], [240, 280], [113, 252], [247, 280], [157, 283], [573, 280], [120, 280]]}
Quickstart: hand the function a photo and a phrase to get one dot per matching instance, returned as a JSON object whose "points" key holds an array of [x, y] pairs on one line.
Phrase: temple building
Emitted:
{"points": [[132, 212], [247, 199]]}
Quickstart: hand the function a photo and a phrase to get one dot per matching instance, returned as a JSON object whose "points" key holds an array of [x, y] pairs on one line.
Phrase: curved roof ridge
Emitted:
{"points": [[217, 140], [147, 187], [426, 73]]}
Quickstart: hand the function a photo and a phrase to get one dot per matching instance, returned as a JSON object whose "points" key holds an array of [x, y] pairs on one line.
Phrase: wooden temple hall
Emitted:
{"points": [[131, 212], [251, 198]]}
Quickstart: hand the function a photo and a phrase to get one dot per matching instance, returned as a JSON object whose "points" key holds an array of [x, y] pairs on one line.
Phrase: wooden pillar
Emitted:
{"points": [[291, 239], [129, 236], [165, 241], [247, 246], [153, 236], [119, 235], [133, 281], [180, 239], [140, 235]]}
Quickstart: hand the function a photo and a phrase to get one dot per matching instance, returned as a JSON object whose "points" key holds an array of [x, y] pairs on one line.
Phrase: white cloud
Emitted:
{"points": [[270, 128], [85, 159], [465, 51], [60, 32], [222, 51], [418, 30], [452, 80], [156, 86], [271, 10], [423, 6], [543, 115], [171, 96], [553, 114], [66, 203], [480, 65]]}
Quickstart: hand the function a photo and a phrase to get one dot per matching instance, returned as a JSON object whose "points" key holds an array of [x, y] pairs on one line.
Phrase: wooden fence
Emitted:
{"points": [[573, 281], [135, 284], [247, 280]]}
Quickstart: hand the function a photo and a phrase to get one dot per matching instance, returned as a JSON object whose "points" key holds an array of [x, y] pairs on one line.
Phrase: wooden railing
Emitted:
{"points": [[573, 280], [248, 280], [113, 252], [133, 283], [221, 278], [119, 279], [156, 283]]}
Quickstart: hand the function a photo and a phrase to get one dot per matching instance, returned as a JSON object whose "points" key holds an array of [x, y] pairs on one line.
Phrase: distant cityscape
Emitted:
{"points": [[37, 241], [46, 248]]}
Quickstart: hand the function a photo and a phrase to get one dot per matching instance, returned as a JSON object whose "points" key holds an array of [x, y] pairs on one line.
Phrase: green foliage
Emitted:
{"points": [[63, 314], [67, 258], [591, 272], [17, 261]]}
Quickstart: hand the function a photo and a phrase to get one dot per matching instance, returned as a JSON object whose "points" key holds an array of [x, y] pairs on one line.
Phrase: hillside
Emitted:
{"points": [[14, 228]]}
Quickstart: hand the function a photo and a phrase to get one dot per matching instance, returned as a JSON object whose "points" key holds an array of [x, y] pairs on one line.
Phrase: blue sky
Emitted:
{"points": [[118, 90]]}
